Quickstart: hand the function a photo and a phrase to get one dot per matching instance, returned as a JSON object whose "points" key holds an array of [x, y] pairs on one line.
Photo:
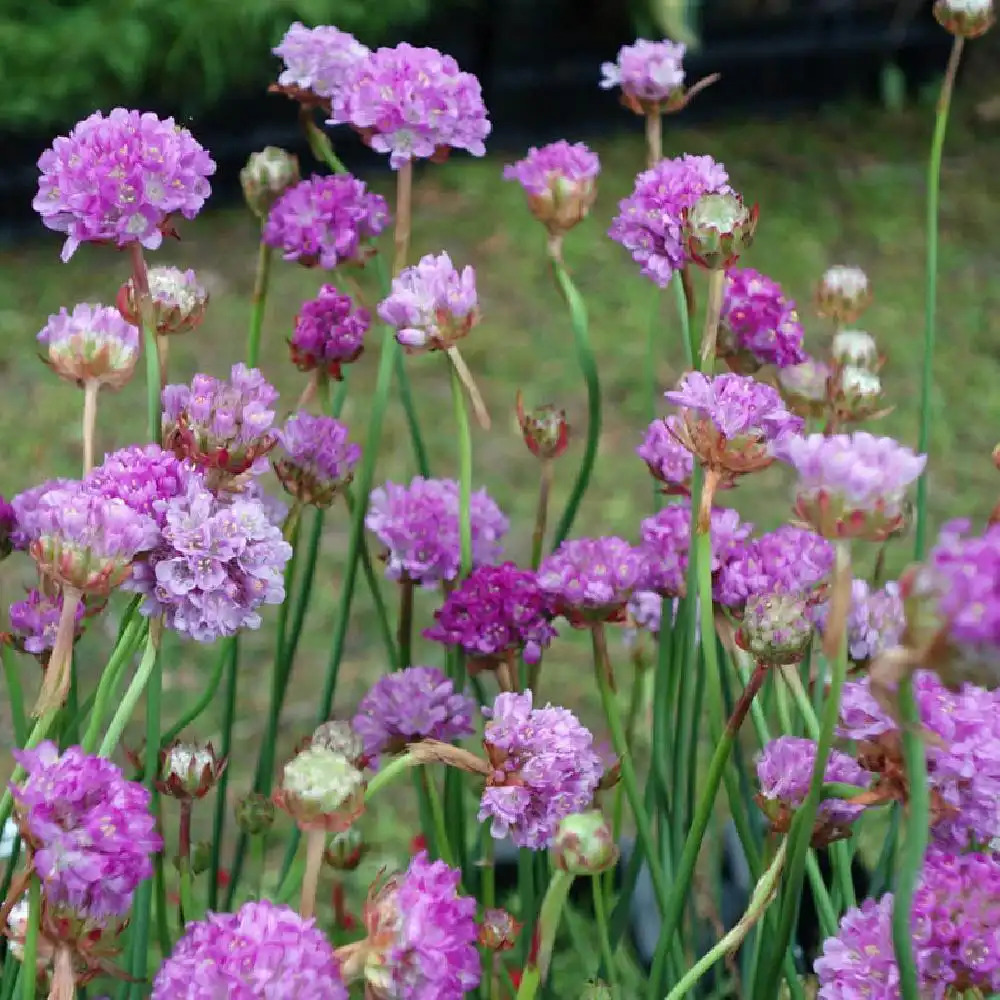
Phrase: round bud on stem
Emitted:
{"points": [[775, 629], [965, 18], [596, 989], [859, 393], [584, 844], [843, 294], [804, 387], [255, 814], [267, 175], [321, 790], [545, 429], [855, 348], [345, 850], [718, 229], [178, 299], [498, 930], [189, 770]]}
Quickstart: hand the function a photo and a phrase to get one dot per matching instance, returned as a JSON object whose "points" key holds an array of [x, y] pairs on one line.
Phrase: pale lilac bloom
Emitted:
{"points": [[646, 71], [317, 59]]}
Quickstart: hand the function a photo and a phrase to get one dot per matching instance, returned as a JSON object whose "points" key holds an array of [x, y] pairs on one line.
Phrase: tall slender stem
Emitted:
{"points": [[15, 695], [404, 628], [58, 674], [258, 302], [143, 675], [654, 137], [713, 311], [123, 650], [464, 471], [90, 389], [545, 934], [140, 281], [315, 845], [437, 815], [604, 939], [29, 970], [219, 819], [404, 215], [541, 511]]}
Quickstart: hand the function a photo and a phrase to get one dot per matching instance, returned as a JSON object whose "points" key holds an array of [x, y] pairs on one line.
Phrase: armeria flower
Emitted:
{"points": [[560, 181], [326, 221], [422, 934], [118, 179], [412, 103], [319, 460], [544, 768], [25, 506], [321, 790], [316, 61], [718, 228], [139, 476], [92, 344], [645, 611], [759, 326], [590, 580], [874, 622], [414, 704], [329, 333], [189, 770], [179, 300], [805, 387], [34, 623], [843, 294], [650, 221], [268, 174], [667, 459], [775, 628], [851, 485], [545, 429], [965, 18], [90, 830], [495, 614], [224, 428], [860, 961], [650, 74], [432, 304], [418, 525], [216, 563], [263, 950]]}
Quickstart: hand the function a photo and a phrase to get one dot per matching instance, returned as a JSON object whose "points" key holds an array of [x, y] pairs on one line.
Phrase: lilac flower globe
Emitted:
{"points": [[560, 182], [667, 459], [650, 221], [418, 703], [544, 767], [90, 830], [34, 623], [263, 951], [412, 103], [119, 178], [432, 304], [139, 476], [329, 333], [418, 525], [316, 60], [92, 345], [874, 622], [318, 461], [325, 221], [650, 74], [179, 300]]}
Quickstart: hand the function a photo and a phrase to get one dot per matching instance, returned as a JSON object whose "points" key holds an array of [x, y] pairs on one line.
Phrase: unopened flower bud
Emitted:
{"points": [[596, 989], [855, 348], [775, 628], [718, 229], [498, 930], [804, 387], [345, 850], [843, 294], [339, 736], [321, 790], [179, 300], [965, 18], [267, 175], [255, 814], [584, 844], [189, 770], [860, 393], [545, 429], [201, 857]]}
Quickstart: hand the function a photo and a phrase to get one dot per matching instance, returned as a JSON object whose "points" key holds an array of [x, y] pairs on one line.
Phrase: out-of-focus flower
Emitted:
{"points": [[650, 74], [844, 293], [8, 528], [329, 333], [266, 177], [545, 429], [875, 620], [317, 61], [965, 18], [319, 461], [804, 387], [855, 348], [560, 181], [34, 623], [179, 300], [667, 459], [92, 344]]}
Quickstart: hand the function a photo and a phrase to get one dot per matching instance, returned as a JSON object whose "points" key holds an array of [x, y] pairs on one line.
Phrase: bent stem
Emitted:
{"points": [[90, 389], [58, 672], [541, 512], [553, 904], [464, 472], [461, 369], [315, 844], [140, 281], [258, 301], [132, 695], [713, 312]]}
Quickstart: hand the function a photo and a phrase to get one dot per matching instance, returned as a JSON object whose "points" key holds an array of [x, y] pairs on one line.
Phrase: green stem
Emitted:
{"points": [[545, 934], [206, 698], [713, 310], [258, 302], [133, 693], [15, 694], [388, 773], [464, 470], [123, 651], [684, 315], [140, 280], [541, 511], [604, 938], [219, 819], [488, 861], [305, 590], [437, 812], [160, 892], [29, 973]]}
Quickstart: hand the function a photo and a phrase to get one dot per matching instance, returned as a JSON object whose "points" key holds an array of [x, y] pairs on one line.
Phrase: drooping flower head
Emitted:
{"points": [[418, 525], [874, 622], [650, 221], [843, 294], [321, 790], [495, 614], [90, 831], [412, 103], [560, 182], [432, 304], [667, 459], [409, 705], [139, 476], [544, 768], [264, 949], [179, 300], [316, 61], [805, 387], [650, 74], [91, 344], [851, 485], [329, 333], [119, 178], [34, 623], [325, 221], [318, 461]]}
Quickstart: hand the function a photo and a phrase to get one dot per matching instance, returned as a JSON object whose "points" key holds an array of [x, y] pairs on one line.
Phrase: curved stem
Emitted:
{"points": [[464, 471], [545, 934], [90, 388], [541, 512], [124, 649], [604, 939], [144, 673], [713, 311], [388, 773], [258, 302], [140, 280], [315, 845]]}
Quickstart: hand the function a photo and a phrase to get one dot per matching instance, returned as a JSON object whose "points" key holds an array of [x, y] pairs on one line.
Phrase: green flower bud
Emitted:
{"points": [[718, 229], [584, 844], [596, 989], [321, 789]]}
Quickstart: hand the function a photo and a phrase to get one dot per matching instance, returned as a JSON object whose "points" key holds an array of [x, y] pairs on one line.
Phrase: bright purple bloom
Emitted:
{"points": [[432, 304], [319, 460], [668, 460], [25, 505], [329, 332], [544, 768], [91, 344], [118, 179], [418, 703], [418, 525], [34, 622], [139, 475], [325, 221], [875, 621], [556, 170], [860, 962], [8, 528], [412, 103], [317, 59], [650, 221], [263, 951], [90, 829], [495, 613], [646, 71], [759, 320]]}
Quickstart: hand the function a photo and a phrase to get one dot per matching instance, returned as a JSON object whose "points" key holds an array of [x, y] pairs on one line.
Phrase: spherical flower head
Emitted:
{"points": [[329, 333], [759, 326], [432, 305], [8, 528], [804, 387], [318, 461], [179, 300], [775, 628], [89, 829], [667, 459], [859, 961], [560, 181], [650, 74], [858, 394], [266, 176], [189, 770], [851, 485], [92, 344], [321, 790], [844, 293], [34, 623], [317, 61], [875, 620], [262, 950], [140, 476], [409, 705], [584, 844], [325, 221], [544, 768], [495, 614], [412, 103], [418, 525], [855, 348], [718, 228], [118, 179], [965, 18], [650, 221], [224, 428]]}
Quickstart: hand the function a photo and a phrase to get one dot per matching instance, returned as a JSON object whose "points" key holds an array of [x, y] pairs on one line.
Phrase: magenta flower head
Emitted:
{"points": [[544, 768], [118, 179], [8, 528], [224, 428], [667, 459], [875, 620], [418, 525], [179, 300], [329, 333], [262, 950], [590, 580], [650, 222], [325, 221], [418, 703], [412, 103], [432, 305], [34, 623], [851, 485], [318, 461], [560, 181], [139, 476], [422, 935], [650, 74], [89, 829], [91, 345], [759, 326], [495, 614], [316, 62]]}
